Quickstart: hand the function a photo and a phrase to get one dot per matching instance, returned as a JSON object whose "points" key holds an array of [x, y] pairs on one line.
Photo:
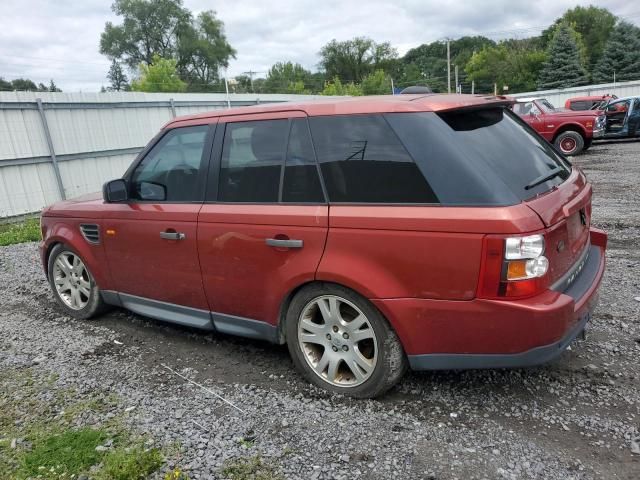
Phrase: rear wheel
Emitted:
{"points": [[73, 285], [569, 142], [341, 343]]}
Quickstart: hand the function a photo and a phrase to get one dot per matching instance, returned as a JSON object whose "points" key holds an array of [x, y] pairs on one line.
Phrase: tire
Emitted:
{"points": [[569, 142], [88, 302], [332, 352], [587, 144]]}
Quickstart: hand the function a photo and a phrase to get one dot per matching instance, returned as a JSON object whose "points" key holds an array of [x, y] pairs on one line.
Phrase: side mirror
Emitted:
{"points": [[115, 191]]}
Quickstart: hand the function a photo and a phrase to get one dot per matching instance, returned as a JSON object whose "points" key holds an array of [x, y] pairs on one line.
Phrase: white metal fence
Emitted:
{"points": [[558, 97], [61, 145]]}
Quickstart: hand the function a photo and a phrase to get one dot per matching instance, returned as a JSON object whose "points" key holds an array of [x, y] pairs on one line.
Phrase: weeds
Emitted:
{"points": [[27, 231], [249, 468]]}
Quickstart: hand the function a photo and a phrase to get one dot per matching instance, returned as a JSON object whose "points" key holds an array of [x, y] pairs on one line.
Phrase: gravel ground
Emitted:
{"points": [[578, 418]]}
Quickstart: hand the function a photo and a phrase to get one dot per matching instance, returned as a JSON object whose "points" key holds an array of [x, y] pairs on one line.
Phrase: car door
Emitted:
{"points": [[531, 114], [151, 240], [263, 227]]}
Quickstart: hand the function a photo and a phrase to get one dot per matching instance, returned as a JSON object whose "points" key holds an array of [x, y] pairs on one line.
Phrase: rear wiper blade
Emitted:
{"points": [[543, 178]]}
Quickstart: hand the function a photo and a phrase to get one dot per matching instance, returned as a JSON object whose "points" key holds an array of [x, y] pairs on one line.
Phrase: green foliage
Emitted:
{"points": [[202, 50], [427, 63], [593, 24], [161, 76], [250, 468], [352, 60], [130, 464], [27, 231], [166, 29], [69, 452], [621, 55], [117, 78], [563, 67], [376, 83], [287, 77], [336, 87], [507, 64], [24, 84]]}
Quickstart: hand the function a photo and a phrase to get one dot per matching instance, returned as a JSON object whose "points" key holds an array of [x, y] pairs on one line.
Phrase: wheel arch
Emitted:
{"points": [[284, 307], [576, 127]]}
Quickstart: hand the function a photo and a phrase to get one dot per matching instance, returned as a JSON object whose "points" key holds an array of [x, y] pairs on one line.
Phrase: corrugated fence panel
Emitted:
{"points": [[558, 97], [89, 174], [26, 188], [95, 137]]}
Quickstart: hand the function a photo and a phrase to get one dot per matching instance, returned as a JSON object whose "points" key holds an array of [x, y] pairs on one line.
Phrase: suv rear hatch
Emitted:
{"points": [[566, 212]]}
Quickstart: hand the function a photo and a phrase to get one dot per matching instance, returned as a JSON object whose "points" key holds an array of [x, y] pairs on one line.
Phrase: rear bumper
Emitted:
{"points": [[438, 334]]}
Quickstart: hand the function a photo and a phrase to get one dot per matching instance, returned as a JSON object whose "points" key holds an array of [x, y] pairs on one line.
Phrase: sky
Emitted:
{"points": [[59, 39]]}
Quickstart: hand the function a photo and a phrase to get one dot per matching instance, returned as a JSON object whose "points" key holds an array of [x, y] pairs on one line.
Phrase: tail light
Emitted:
{"points": [[513, 267]]}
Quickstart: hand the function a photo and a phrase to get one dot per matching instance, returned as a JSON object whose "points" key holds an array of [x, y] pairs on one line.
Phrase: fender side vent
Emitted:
{"points": [[90, 232]]}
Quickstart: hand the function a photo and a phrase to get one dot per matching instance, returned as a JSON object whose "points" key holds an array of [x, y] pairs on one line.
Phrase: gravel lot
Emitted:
{"points": [[578, 418]]}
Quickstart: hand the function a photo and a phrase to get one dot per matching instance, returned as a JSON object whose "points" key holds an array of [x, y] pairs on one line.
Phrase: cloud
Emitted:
{"points": [[44, 39]]}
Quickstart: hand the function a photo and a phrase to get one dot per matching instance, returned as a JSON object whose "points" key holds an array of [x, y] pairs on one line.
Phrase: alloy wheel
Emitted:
{"points": [[71, 280], [337, 341]]}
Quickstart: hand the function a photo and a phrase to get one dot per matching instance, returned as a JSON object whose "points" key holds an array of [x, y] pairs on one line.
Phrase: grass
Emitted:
{"points": [[52, 446], [249, 468], [27, 231], [130, 464], [69, 452]]}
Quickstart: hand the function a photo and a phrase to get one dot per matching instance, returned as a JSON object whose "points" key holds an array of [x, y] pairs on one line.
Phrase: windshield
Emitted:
{"points": [[546, 106], [481, 157]]}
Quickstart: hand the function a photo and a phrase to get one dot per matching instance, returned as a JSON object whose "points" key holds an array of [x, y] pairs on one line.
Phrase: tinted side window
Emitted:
{"points": [[173, 165], [362, 160], [252, 157], [301, 180]]}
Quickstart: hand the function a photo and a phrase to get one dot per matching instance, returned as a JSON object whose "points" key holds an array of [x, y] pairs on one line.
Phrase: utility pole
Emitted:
{"points": [[495, 89], [473, 87], [448, 66], [250, 73], [226, 87], [393, 90], [457, 84]]}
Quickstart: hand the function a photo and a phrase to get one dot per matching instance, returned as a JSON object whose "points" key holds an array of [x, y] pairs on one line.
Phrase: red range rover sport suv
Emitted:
{"points": [[368, 234]]}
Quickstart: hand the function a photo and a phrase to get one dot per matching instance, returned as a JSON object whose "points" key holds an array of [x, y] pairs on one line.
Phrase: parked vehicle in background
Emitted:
{"points": [[588, 103], [623, 118], [570, 131], [368, 234]]}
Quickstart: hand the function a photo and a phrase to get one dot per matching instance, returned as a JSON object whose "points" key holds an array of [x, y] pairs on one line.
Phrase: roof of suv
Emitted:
{"points": [[354, 105]]}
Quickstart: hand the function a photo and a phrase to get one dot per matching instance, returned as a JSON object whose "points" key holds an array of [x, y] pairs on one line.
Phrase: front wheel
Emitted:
{"points": [[72, 284], [342, 343], [569, 142]]}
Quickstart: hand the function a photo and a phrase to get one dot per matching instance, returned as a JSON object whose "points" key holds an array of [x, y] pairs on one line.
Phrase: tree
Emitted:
{"points": [[118, 81], [427, 63], [336, 87], [509, 63], [594, 25], [352, 60], [286, 77], [5, 85], [376, 83], [52, 87], [563, 67], [167, 29], [23, 84], [621, 55], [202, 50], [161, 76]]}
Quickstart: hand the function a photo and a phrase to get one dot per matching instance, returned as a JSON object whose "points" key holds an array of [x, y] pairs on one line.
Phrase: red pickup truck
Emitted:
{"points": [[570, 131]]}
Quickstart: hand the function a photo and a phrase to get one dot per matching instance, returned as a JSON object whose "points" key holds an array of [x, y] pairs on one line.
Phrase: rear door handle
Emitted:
{"points": [[282, 243], [172, 236]]}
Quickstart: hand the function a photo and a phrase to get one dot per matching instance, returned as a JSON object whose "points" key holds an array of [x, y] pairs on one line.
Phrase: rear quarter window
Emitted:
{"points": [[478, 157]]}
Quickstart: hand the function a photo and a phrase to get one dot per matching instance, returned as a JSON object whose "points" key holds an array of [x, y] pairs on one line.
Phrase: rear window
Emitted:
{"points": [[479, 157]]}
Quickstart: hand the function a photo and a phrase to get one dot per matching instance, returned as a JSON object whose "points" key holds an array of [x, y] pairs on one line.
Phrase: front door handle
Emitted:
{"points": [[284, 243], [172, 236]]}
